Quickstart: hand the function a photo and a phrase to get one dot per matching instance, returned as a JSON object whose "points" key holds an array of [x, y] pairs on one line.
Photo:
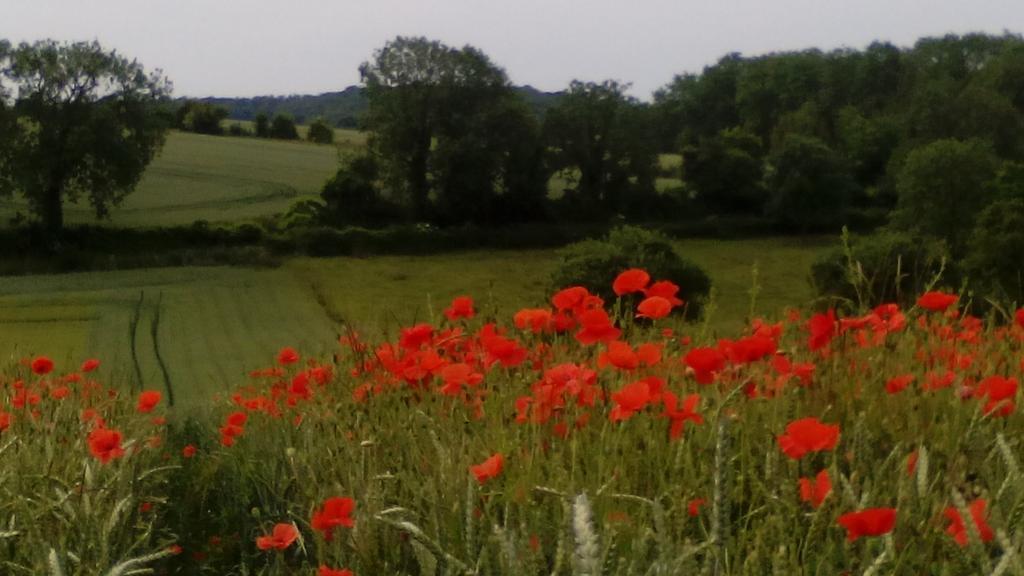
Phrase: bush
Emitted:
{"points": [[595, 264], [320, 132], [283, 128], [886, 267]]}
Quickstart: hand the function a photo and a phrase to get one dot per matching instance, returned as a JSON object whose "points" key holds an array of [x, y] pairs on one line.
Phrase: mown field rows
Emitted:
{"points": [[213, 324]]}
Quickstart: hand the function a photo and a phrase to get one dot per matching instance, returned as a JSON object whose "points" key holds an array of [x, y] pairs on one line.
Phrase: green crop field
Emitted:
{"points": [[214, 178], [208, 326]]}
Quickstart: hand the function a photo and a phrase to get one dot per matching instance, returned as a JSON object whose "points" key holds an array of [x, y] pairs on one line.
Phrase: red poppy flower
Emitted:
{"points": [[706, 363], [90, 365], [653, 308], [999, 392], [679, 416], [287, 355], [335, 512], [693, 507], [489, 468], [823, 328], [815, 491], [869, 522], [896, 384], [937, 301], [105, 445], [634, 397], [958, 530], [5, 421], [42, 365], [282, 536], [147, 401], [597, 327], [619, 355], [536, 320], [1018, 317], [808, 435], [666, 290], [188, 451], [415, 337], [570, 298], [237, 418], [462, 307], [325, 571], [632, 280]]}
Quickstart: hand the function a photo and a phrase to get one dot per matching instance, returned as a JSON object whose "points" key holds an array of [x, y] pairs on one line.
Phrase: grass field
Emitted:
{"points": [[214, 178], [209, 325]]}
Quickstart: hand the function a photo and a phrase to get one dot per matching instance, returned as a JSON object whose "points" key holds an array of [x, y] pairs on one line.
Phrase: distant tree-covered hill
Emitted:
{"points": [[341, 109]]}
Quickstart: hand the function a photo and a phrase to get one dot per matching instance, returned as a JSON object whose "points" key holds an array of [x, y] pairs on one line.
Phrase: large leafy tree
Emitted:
{"points": [[440, 120], [592, 134], [943, 186], [86, 123]]}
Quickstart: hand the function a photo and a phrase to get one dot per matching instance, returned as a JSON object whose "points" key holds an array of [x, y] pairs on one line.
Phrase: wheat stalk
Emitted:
{"points": [[587, 558]]}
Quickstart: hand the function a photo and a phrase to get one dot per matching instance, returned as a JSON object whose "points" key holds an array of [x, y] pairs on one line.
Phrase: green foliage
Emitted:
{"points": [[605, 137], [809, 185], [884, 267], [88, 123], [283, 127], [200, 118], [262, 126], [942, 186], [352, 196], [726, 172], [454, 141], [995, 248], [595, 264], [320, 132]]}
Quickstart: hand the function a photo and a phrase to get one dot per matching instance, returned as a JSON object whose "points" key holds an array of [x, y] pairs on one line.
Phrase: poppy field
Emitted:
{"points": [[246, 315], [572, 436]]}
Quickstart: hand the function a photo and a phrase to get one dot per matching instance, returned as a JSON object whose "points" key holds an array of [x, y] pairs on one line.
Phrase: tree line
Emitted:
{"points": [[929, 135]]}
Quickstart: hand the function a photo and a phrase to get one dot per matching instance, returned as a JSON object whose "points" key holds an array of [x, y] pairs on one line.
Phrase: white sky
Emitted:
{"points": [[255, 47]]}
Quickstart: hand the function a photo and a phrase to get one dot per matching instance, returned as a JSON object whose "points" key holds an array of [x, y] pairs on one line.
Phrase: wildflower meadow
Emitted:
{"points": [[580, 437]]}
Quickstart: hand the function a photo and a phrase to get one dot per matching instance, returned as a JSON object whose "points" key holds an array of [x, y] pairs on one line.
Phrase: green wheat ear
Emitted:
{"points": [[54, 563]]}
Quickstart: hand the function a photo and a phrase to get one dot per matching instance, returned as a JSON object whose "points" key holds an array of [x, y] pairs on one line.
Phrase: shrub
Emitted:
{"points": [[595, 264], [885, 267], [283, 127], [320, 132]]}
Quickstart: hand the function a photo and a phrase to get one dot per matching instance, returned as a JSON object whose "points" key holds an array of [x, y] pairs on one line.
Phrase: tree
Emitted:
{"points": [[726, 171], [283, 127], [448, 130], [262, 126], [88, 122], [809, 185], [995, 248], [942, 186], [201, 118], [352, 196], [592, 132], [320, 132]]}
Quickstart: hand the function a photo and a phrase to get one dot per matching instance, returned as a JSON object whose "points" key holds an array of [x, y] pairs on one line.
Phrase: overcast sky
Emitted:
{"points": [[256, 47]]}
